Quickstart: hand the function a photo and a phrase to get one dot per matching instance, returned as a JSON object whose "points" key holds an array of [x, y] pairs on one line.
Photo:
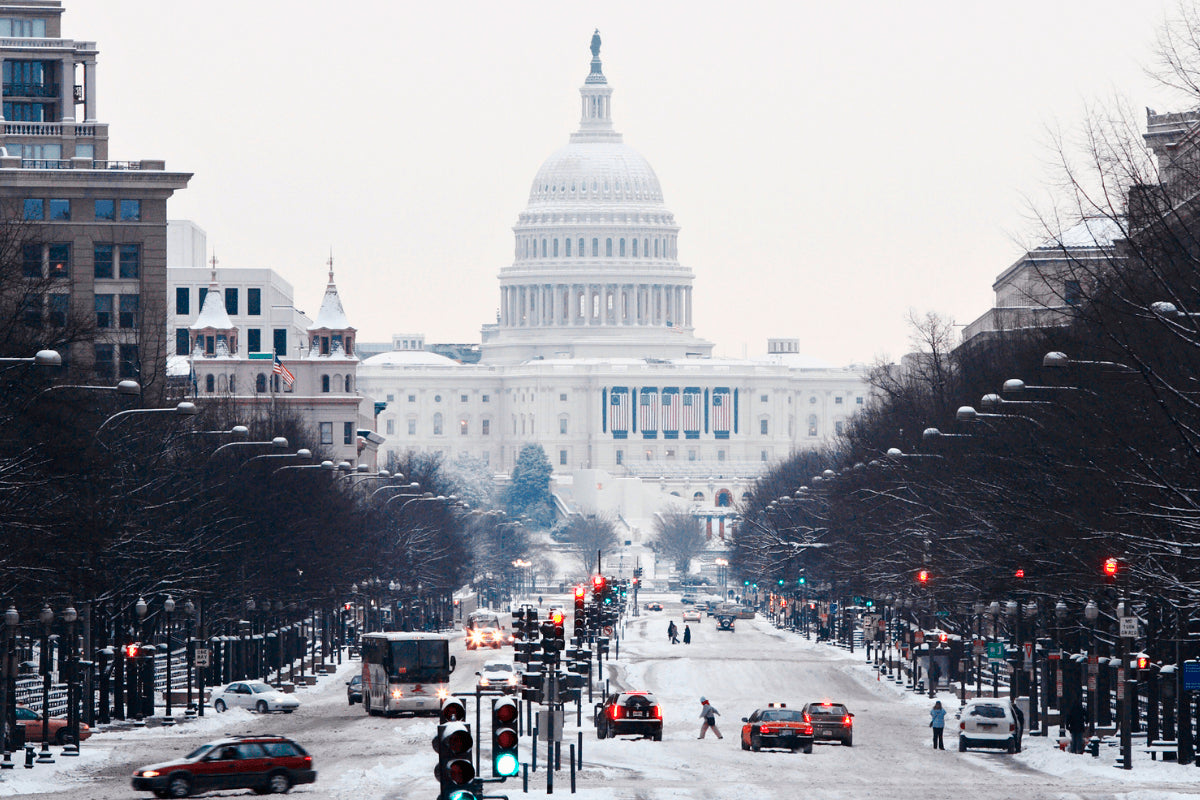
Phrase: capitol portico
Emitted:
{"points": [[594, 354]]}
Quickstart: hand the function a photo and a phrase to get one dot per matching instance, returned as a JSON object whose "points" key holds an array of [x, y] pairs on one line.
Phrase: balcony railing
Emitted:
{"points": [[48, 129], [116, 165], [30, 89], [45, 163]]}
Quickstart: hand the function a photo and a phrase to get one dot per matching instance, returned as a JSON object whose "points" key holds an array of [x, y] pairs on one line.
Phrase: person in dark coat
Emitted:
{"points": [[673, 633], [687, 634], [937, 721], [1076, 723]]}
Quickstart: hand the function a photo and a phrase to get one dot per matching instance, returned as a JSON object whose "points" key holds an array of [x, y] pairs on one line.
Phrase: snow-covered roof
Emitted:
{"points": [[213, 314], [409, 358], [1089, 232], [331, 316], [795, 361]]}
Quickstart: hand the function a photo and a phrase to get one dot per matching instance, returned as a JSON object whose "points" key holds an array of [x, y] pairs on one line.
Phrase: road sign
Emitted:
{"points": [[919, 637], [941, 613], [608, 630], [550, 725], [1129, 627], [203, 658], [995, 652], [1191, 676], [833, 607], [980, 647], [1029, 653]]}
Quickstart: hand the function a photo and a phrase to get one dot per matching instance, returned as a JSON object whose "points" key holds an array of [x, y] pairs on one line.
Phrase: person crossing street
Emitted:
{"points": [[709, 714]]}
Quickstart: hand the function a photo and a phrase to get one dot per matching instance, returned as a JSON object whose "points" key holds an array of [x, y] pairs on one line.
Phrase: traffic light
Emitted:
{"points": [[923, 577], [1111, 568], [801, 581], [455, 770], [598, 584], [580, 608], [505, 762], [1020, 573], [1143, 662]]}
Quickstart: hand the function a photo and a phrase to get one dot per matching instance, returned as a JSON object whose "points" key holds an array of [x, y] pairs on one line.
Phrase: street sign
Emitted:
{"points": [[941, 613], [1191, 676], [833, 607], [980, 647], [1120, 683], [1129, 627], [203, 658], [995, 652], [550, 725], [919, 637], [1029, 654]]}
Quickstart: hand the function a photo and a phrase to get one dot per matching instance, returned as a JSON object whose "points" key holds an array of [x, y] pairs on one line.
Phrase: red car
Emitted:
{"points": [[59, 732], [266, 764]]}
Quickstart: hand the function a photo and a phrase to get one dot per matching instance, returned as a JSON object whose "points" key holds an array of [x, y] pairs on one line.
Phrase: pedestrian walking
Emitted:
{"points": [[1076, 723], [937, 721], [709, 715], [673, 633], [935, 673], [687, 634]]}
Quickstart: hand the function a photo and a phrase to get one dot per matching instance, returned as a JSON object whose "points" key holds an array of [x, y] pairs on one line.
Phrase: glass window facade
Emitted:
{"points": [[231, 301], [104, 311], [34, 209], [102, 261], [60, 210], [130, 261], [131, 210], [254, 302], [106, 210], [183, 298], [128, 305], [254, 340]]}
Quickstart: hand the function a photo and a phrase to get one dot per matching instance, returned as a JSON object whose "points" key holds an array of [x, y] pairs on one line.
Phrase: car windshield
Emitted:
{"points": [[259, 688], [830, 710], [782, 715], [638, 699], [988, 711], [201, 750], [506, 668]]}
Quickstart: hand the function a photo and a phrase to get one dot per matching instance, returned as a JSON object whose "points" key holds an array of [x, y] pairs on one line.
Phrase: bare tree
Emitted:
{"points": [[678, 536]]}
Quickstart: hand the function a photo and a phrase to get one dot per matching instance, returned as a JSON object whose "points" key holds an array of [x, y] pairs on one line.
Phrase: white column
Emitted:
{"points": [[1, 104], [66, 90], [689, 306], [89, 91]]}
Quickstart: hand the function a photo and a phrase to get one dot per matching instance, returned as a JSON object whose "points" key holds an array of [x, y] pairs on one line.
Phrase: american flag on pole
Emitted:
{"points": [[648, 413], [670, 412], [619, 412], [722, 412], [283, 372], [693, 412]]}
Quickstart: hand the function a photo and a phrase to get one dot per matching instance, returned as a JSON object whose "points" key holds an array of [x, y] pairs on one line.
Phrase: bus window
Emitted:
{"points": [[420, 661]]}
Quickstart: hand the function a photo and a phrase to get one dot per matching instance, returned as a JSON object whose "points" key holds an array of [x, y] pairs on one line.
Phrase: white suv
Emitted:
{"points": [[989, 722]]}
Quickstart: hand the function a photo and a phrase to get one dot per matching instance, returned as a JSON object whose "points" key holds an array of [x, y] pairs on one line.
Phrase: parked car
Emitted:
{"points": [[499, 676], [354, 688], [777, 726], [60, 733], [692, 615], [629, 713], [256, 695], [990, 722], [266, 764], [830, 721]]}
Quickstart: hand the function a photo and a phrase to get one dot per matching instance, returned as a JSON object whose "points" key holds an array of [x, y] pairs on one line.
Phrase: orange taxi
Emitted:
{"points": [[777, 726]]}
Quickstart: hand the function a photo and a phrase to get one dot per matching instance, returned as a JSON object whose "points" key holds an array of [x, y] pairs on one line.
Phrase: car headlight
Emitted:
{"points": [[397, 694], [442, 694], [148, 773]]}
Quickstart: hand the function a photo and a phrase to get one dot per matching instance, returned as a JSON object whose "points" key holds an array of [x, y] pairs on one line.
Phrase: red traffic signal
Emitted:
{"points": [[1111, 567], [1143, 662], [579, 593], [556, 616], [131, 651], [597, 583], [923, 576], [1020, 573]]}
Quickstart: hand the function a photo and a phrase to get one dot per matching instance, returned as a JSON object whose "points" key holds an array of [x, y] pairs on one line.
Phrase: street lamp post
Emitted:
{"points": [[69, 616], [978, 608], [994, 613], [46, 617], [1012, 610], [140, 608], [1091, 611], [8, 686], [1060, 616], [189, 610], [168, 607]]}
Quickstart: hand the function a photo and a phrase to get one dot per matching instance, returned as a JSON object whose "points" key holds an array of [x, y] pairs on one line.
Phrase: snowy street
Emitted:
{"points": [[369, 758]]}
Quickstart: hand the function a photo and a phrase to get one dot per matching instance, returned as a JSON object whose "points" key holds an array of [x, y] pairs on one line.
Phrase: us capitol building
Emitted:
{"points": [[595, 356]]}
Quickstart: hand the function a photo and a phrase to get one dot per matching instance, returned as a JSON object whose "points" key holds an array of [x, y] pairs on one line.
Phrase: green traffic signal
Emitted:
{"points": [[461, 794], [745, 583], [781, 581], [801, 581]]}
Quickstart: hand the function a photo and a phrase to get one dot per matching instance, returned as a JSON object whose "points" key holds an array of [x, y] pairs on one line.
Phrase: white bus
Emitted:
{"points": [[405, 672]]}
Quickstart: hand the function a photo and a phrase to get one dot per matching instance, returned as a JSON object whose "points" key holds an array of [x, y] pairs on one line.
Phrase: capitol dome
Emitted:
{"points": [[595, 269], [587, 172]]}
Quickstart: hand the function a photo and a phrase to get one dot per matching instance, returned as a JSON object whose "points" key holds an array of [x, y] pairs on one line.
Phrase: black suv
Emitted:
{"points": [[267, 764], [629, 713], [830, 721]]}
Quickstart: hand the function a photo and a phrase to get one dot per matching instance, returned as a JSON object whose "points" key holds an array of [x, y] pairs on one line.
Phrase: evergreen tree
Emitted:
{"points": [[528, 491]]}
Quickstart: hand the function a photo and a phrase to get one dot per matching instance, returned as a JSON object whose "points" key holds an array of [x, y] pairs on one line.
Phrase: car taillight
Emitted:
{"points": [[308, 759], [614, 712], [1011, 727], [962, 726], [765, 731], [808, 729], [846, 721], [658, 712]]}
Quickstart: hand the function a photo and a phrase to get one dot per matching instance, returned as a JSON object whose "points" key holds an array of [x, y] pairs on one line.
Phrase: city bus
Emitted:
{"points": [[405, 672]]}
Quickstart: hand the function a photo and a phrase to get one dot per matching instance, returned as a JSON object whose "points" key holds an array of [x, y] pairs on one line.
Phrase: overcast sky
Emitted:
{"points": [[831, 165]]}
